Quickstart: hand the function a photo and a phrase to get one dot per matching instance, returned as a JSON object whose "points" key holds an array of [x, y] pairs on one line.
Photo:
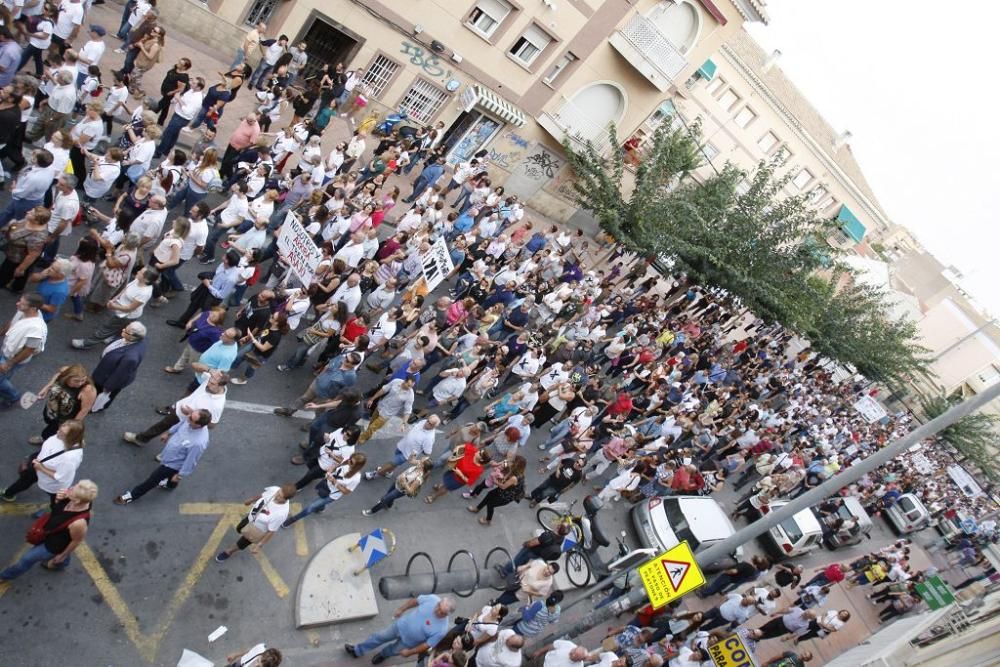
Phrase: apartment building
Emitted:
{"points": [[514, 77]]}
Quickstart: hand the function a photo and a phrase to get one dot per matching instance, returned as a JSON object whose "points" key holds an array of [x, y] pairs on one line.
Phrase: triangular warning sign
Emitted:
{"points": [[676, 571]]}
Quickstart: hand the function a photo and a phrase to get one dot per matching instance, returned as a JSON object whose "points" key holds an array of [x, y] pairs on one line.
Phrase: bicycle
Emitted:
{"points": [[578, 566]]}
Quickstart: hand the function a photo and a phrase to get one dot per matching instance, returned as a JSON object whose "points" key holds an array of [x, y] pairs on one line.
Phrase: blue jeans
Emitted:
{"points": [[170, 280], [77, 304], [170, 133], [314, 507], [386, 501], [8, 392], [236, 297], [240, 58], [389, 636], [33, 556], [17, 209], [560, 431], [259, 74], [520, 558], [185, 195]]}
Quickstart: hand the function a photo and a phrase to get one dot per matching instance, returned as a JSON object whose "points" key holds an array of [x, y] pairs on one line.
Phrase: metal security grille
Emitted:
{"points": [[260, 11], [422, 101], [379, 74]]}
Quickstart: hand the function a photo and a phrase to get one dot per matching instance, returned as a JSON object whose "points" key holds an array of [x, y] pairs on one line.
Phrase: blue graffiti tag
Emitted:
{"points": [[428, 62]]}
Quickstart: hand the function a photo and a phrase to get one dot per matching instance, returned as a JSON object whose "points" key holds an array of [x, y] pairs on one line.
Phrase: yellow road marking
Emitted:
{"points": [[277, 583], [299, 529], [5, 585], [20, 509]]}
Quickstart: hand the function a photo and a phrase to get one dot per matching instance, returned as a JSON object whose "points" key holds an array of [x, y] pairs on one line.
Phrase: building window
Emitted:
{"points": [[710, 151], [817, 194], [487, 16], [260, 12], [379, 75], [802, 179], [559, 67], [715, 85], [728, 99], [422, 101], [767, 142], [529, 45], [745, 117]]}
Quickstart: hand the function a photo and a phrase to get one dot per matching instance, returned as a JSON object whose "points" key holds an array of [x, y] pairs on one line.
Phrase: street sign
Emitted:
{"points": [[732, 652], [670, 575], [935, 593]]}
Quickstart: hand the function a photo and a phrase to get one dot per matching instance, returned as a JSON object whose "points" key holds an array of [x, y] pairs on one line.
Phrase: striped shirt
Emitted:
{"points": [[538, 622]]}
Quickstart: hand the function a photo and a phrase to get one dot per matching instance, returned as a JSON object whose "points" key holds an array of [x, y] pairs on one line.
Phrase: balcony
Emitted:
{"points": [[572, 122], [647, 49]]}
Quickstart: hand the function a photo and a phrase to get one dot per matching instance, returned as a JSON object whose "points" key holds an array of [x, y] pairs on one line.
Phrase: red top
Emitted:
{"points": [[621, 406], [354, 328], [468, 466], [834, 573], [378, 216]]}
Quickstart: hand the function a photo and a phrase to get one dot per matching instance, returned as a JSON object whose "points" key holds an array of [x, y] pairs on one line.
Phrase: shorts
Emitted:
{"points": [[451, 481]]}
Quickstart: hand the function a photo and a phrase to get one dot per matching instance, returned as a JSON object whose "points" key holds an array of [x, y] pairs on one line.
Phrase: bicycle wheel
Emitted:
{"points": [[548, 518], [578, 568]]}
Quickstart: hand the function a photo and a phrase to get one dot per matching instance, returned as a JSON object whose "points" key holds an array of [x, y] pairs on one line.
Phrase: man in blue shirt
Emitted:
{"points": [[462, 224], [212, 291], [10, 57], [337, 376], [185, 442], [53, 287], [420, 624], [430, 175], [30, 187], [220, 356]]}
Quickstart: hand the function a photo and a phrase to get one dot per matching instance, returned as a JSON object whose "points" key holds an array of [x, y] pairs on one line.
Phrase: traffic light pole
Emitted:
{"points": [[812, 497]]}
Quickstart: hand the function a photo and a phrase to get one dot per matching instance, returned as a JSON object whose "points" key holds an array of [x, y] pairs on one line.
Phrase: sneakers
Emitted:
{"points": [[163, 484], [35, 440], [366, 512], [370, 475], [206, 260], [158, 458], [77, 344], [467, 494], [284, 368], [349, 649], [119, 50], [4, 497], [221, 556], [132, 439], [284, 412], [124, 499], [158, 301], [238, 381]]}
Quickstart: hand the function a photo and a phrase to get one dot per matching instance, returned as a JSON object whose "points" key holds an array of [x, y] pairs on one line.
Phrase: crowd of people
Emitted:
{"points": [[644, 384]]}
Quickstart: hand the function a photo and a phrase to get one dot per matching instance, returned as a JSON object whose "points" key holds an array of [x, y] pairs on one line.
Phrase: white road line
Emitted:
{"points": [[261, 409]]}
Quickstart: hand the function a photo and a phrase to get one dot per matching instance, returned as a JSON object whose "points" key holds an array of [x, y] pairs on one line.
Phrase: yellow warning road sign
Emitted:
{"points": [[670, 575], [732, 652]]}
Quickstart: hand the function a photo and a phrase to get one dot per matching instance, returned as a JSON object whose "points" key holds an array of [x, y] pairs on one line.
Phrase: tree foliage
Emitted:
{"points": [[973, 436], [742, 232]]}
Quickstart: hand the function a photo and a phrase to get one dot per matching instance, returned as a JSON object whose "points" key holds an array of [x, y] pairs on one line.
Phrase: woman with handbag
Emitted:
{"points": [[69, 395], [338, 446], [54, 466], [114, 270], [339, 482], [407, 484], [268, 512], [506, 490], [56, 534], [25, 240], [465, 465]]}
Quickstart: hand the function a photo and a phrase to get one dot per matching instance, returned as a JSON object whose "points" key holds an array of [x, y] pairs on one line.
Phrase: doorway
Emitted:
{"points": [[470, 132], [327, 43]]}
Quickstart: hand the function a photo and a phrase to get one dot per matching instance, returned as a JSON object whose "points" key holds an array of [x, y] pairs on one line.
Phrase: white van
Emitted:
{"points": [[908, 514], [795, 535], [664, 522]]}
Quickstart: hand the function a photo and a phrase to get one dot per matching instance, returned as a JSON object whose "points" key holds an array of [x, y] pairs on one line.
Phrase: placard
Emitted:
{"points": [[437, 264], [298, 249]]}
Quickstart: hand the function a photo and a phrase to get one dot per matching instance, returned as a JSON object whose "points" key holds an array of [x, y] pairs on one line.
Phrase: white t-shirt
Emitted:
{"points": [[149, 224], [70, 16], [201, 399], [60, 156], [236, 211], [108, 172], [47, 27], [267, 514], [497, 653], [189, 103], [351, 254], [559, 655], [133, 292], [64, 465], [141, 153], [64, 207], [92, 51], [91, 128], [24, 330], [335, 445], [196, 238], [350, 482]]}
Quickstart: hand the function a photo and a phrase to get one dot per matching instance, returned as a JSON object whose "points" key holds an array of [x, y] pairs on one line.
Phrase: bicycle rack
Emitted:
{"points": [[461, 582]]}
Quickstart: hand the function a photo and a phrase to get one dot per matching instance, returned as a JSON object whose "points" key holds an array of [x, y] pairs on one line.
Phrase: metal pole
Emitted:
{"points": [[808, 499]]}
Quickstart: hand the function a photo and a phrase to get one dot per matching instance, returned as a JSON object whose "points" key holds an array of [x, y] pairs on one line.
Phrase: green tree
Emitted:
{"points": [[741, 232], [974, 436]]}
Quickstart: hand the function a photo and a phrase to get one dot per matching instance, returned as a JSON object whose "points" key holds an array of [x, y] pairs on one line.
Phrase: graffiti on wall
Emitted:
{"points": [[502, 160], [426, 60], [516, 139], [541, 165]]}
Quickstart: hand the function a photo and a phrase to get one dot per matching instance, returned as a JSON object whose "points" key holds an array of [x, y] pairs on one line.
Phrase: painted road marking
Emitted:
{"points": [[18, 509], [261, 409]]}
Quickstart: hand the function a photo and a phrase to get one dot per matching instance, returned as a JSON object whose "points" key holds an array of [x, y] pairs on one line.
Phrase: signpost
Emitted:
{"points": [[935, 593], [298, 249], [671, 575], [437, 264], [732, 652]]}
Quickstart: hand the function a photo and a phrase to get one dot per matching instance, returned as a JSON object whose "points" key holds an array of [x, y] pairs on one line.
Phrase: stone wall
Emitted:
{"points": [[194, 19]]}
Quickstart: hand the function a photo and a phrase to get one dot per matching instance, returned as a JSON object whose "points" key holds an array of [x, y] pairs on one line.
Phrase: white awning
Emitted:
{"points": [[481, 96]]}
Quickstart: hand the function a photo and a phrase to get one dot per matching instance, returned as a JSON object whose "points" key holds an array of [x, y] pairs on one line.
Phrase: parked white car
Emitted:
{"points": [[795, 535], [664, 522], [908, 514]]}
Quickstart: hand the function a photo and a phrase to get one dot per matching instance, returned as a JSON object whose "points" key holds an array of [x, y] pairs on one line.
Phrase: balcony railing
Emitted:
{"points": [[649, 51], [572, 122]]}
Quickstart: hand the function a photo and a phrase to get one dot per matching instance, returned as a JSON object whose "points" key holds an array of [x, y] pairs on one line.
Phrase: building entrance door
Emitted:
{"points": [[327, 43]]}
